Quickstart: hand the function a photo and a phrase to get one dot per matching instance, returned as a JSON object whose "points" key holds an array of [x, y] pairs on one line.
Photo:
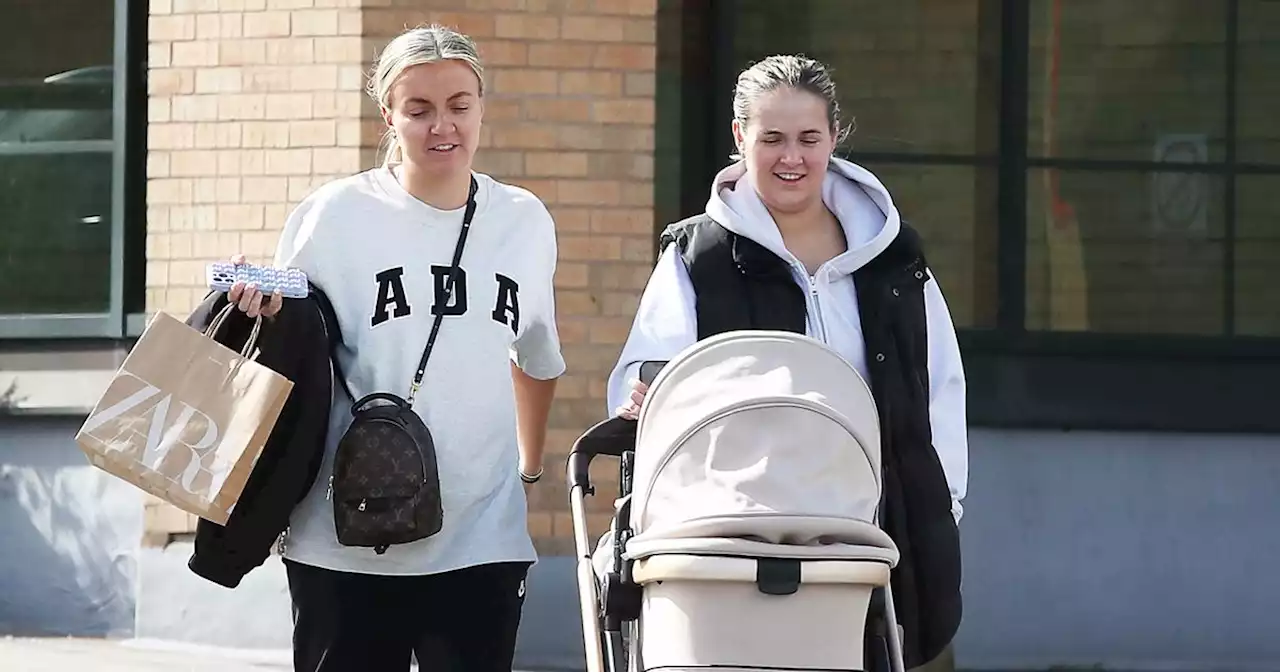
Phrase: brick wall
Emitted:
{"points": [[256, 102]]}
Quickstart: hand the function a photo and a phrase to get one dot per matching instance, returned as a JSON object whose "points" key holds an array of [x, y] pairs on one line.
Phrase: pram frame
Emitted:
{"points": [[602, 632]]}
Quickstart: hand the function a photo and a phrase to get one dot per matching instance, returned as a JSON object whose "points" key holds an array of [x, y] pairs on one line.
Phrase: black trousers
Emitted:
{"points": [[465, 620]]}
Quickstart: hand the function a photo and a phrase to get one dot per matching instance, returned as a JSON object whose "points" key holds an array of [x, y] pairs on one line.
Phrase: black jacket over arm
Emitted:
{"points": [[296, 343]]}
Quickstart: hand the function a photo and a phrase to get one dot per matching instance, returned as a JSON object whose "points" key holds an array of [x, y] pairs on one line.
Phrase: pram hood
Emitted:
{"points": [[758, 443]]}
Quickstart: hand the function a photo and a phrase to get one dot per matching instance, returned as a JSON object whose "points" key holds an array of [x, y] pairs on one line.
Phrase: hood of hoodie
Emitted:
{"points": [[737, 207]]}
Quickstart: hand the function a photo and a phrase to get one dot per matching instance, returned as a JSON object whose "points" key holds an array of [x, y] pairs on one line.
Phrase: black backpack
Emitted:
{"points": [[385, 484]]}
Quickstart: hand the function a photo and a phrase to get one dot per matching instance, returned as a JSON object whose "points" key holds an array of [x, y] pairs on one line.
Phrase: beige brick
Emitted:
{"points": [[592, 28], [351, 78], [314, 133], [267, 78], [640, 85], [315, 22], [571, 110], [288, 106], [635, 57], [195, 108], [157, 165], [288, 161], [158, 110], [526, 26], [635, 111], [591, 83], [265, 189], [342, 50], [208, 26], [505, 52], [218, 80], [350, 22], [243, 52], [561, 54], [337, 104], [242, 106], [171, 136], [240, 217], [266, 24], [171, 28], [556, 164], [194, 6], [170, 81], [335, 160], [525, 81], [192, 163], [219, 135], [194, 54], [158, 54]]}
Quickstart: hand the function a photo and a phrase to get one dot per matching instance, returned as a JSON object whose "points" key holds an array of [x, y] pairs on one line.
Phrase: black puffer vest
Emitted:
{"points": [[742, 285]]}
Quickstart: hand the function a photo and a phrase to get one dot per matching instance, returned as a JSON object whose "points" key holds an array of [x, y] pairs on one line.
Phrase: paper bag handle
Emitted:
{"points": [[221, 318], [217, 323]]}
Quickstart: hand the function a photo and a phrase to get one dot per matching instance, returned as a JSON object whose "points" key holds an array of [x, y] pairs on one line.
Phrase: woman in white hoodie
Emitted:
{"points": [[824, 218]]}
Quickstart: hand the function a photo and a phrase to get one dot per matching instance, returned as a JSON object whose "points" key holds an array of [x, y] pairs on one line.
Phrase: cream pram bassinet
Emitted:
{"points": [[746, 537]]}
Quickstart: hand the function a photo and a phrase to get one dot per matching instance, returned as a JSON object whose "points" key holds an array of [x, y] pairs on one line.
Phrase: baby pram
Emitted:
{"points": [[746, 534]]}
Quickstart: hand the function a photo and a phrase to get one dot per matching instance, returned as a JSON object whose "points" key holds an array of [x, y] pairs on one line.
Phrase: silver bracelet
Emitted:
{"points": [[530, 479]]}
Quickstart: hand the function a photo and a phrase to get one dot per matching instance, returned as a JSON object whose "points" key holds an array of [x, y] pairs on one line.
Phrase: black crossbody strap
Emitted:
{"points": [[448, 290]]}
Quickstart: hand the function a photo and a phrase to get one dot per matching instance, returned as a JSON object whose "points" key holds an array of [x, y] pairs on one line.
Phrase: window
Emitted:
{"points": [[1257, 62], [1094, 180], [1126, 252], [1256, 230], [65, 168], [1141, 120], [1256, 255]]}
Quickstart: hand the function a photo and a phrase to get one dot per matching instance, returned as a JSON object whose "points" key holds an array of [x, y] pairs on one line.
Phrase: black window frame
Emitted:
{"points": [[1017, 379]]}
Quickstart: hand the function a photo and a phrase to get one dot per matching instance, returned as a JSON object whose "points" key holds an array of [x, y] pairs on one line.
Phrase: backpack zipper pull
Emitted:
{"points": [[329, 495], [362, 503]]}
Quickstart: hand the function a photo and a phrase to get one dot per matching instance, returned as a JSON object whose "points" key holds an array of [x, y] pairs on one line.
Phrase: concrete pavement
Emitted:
{"points": [[98, 655]]}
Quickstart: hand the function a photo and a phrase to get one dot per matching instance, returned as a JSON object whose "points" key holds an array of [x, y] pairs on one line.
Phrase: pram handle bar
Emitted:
{"points": [[611, 438]]}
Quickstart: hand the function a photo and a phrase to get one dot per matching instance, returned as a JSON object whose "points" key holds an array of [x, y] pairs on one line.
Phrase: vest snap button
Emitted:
{"points": [[919, 274], [895, 291], [879, 356]]}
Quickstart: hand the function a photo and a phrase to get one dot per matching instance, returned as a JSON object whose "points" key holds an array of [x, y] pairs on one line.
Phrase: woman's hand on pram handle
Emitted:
{"points": [[631, 408]]}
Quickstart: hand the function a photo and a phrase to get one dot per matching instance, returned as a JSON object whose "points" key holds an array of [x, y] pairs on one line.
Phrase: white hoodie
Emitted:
{"points": [[666, 321]]}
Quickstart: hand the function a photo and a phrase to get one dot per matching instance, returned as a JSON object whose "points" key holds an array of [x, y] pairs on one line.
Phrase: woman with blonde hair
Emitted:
{"points": [[794, 238], [423, 249]]}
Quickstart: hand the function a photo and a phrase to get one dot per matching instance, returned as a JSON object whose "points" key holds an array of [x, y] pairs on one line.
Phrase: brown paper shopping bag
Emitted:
{"points": [[185, 418]]}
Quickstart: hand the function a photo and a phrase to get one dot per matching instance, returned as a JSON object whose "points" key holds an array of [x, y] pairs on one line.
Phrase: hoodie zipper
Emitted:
{"points": [[815, 305]]}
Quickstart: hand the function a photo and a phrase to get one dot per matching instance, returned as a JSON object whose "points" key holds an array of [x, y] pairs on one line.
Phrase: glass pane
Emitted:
{"points": [[1257, 246], [954, 209], [1114, 79], [55, 158], [916, 77], [1258, 130], [1125, 252]]}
